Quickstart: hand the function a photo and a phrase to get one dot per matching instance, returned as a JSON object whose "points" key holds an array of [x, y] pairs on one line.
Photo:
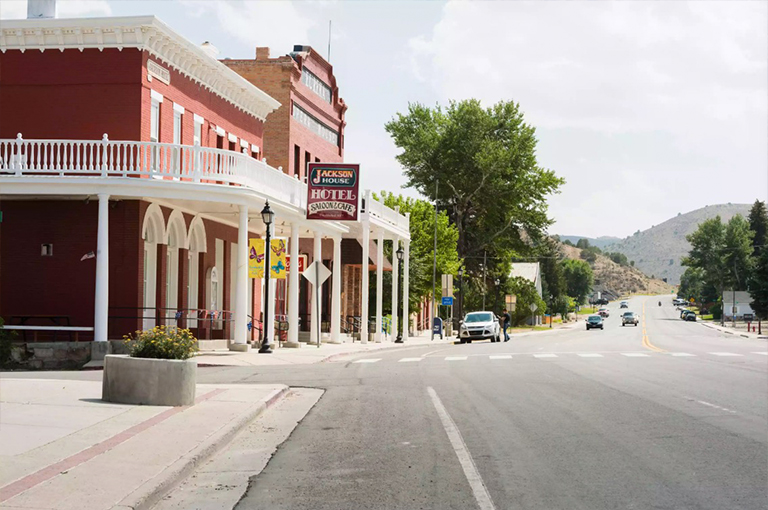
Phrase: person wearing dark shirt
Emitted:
{"points": [[507, 320]]}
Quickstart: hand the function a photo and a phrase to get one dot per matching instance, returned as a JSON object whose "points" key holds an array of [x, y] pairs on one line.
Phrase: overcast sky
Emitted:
{"points": [[646, 108]]}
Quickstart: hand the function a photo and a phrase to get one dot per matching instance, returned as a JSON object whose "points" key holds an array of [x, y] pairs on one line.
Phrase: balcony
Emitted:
{"points": [[126, 159]]}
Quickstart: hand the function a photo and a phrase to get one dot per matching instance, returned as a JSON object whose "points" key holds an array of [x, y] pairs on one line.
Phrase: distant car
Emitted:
{"points": [[594, 322], [683, 313], [603, 312], [479, 326], [601, 301], [629, 318], [623, 304], [690, 316]]}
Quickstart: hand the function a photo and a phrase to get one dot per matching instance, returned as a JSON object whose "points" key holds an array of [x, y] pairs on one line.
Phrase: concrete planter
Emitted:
{"points": [[155, 382]]}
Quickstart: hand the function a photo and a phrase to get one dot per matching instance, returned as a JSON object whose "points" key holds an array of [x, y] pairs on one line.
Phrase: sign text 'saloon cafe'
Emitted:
{"points": [[333, 191]]}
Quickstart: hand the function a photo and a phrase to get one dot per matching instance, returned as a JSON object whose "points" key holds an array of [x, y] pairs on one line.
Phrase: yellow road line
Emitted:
{"points": [[646, 342]]}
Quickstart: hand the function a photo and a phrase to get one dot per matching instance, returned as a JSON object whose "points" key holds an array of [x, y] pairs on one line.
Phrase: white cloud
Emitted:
{"points": [[691, 77], [277, 24], [17, 9]]}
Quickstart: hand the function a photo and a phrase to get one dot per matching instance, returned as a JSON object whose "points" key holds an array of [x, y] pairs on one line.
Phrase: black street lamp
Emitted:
{"points": [[461, 293], [497, 282], [400, 254], [267, 216]]}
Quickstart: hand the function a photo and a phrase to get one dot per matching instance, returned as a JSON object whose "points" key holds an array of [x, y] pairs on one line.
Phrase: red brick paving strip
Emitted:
{"points": [[38, 477]]}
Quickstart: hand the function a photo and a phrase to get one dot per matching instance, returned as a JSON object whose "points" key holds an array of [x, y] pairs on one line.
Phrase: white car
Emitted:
{"points": [[479, 326]]}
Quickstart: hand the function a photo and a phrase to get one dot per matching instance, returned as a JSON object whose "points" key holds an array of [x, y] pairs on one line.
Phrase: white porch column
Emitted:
{"points": [[241, 285], [317, 293], [406, 315], [101, 306], [395, 269], [379, 283], [293, 290], [364, 284], [336, 290]]}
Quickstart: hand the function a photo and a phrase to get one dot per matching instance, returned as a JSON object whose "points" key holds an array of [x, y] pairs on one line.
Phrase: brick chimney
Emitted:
{"points": [[262, 53]]}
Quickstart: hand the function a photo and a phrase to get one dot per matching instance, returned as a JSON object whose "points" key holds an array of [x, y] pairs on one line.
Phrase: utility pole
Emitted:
{"points": [[733, 299], [434, 267], [485, 263], [329, 40]]}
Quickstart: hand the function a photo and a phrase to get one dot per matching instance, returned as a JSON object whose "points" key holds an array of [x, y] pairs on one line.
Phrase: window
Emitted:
{"points": [[154, 122], [307, 161], [315, 125], [198, 134], [46, 250], [178, 111], [296, 161], [316, 85]]}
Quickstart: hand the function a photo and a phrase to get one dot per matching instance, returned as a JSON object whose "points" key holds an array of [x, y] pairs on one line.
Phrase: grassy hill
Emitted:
{"points": [[618, 280], [658, 250]]}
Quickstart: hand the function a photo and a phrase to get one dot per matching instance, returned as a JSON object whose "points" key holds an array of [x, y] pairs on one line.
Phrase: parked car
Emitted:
{"points": [[603, 312], [623, 304], [685, 312], [479, 326], [594, 322], [690, 316], [629, 318]]}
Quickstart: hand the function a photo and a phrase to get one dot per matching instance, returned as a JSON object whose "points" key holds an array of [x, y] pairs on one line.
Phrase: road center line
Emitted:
{"points": [[479, 489]]}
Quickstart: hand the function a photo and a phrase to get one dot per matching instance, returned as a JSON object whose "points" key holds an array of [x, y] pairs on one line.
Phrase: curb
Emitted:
{"points": [[152, 491], [398, 348]]}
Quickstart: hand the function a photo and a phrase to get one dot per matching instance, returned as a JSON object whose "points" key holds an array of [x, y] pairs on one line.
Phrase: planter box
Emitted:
{"points": [[155, 382]]}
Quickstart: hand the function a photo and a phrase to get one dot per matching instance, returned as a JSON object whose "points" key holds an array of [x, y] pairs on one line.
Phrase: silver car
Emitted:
{"points": [[479, 326]]}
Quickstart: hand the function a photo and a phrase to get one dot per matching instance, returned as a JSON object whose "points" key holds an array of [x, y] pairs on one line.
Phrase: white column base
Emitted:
{"points": [[292, 345], [240, 347]]}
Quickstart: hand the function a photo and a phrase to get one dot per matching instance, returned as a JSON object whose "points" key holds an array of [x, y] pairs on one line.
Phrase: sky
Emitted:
{"points": [[645, 108]]}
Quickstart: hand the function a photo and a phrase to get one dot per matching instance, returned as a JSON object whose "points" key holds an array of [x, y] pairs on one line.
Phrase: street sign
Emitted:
{"points": [[316, 273], [533, 307], [447, 301], [303, 259], [333, 191], [447, 280]]}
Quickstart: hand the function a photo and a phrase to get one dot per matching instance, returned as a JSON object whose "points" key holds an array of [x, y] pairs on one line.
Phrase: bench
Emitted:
{"points": [[67, 329]]}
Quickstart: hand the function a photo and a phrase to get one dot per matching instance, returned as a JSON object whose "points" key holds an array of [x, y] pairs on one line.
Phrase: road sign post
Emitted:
{"points": [[317, 273], [533, 308]]}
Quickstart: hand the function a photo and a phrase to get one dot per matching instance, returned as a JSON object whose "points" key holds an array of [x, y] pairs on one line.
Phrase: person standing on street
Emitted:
{"points": [[507, 320]]}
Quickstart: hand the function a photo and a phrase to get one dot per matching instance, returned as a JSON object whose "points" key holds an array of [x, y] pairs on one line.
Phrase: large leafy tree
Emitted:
{"points": [[758, 283], [737, 252], [578, 279], [758, 223], [553, 284], [526, 294], [422, 229], [478, 164]]}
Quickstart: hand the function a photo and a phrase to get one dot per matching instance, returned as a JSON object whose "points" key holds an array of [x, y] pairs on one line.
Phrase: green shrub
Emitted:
{"points": [[162, 342]]}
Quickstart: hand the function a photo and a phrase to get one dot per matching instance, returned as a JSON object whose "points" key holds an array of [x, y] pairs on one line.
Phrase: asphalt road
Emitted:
{"points": [[666, 415]]}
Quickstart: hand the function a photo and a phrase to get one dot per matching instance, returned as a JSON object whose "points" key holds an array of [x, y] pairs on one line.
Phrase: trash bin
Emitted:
{"points": [[372, 325], [437, 327]]}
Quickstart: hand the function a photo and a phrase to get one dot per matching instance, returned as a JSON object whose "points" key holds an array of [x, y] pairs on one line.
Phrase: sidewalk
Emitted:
{"points": [[738, 331], [62, 448]]}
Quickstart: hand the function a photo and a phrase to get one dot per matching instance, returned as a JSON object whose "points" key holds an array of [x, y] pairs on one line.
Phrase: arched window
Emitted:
{"points": [[152, 233]]}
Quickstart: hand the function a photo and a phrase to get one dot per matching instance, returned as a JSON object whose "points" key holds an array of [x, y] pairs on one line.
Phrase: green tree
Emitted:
{"points": [[692, 284], [483, 163], [738, 252], [758, 223], [758, 282], [706, 253], [526, 295], [552, 279], [422, 229], [582, 243], [578, 279]]}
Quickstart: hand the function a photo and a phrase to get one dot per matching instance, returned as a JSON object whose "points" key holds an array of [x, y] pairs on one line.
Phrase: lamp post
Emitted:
{"points": [[267, 217], [400, 254], [461, 293], [551, 311], [496, 300]]}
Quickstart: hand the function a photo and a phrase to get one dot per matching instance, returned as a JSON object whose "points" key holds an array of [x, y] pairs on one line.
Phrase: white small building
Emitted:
{"points": [[742, 304], [531, 271]]}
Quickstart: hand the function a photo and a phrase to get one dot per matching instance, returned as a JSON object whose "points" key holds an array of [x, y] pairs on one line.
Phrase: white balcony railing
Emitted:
{"points": [[106, 158], [388, 215]]}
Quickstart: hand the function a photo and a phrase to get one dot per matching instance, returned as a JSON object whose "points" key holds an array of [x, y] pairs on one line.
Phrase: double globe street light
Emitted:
{"points": [[400, 254], [267, 216]]}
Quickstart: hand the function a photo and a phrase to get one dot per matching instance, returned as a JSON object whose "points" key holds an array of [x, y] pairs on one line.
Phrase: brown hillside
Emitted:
{"points": [[617, 279]]}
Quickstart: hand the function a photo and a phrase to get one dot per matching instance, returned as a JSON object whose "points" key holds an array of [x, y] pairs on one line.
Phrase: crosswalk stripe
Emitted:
{"points": [[681, 354], [634, 355], [500, 356], [545, 355], [590, 355], [367, 360], [455, 358], [725, 354], [409, 359]]}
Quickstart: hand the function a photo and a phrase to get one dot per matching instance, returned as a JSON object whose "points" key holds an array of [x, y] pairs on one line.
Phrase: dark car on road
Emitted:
{"points": [[690, 316], [594, 321]]}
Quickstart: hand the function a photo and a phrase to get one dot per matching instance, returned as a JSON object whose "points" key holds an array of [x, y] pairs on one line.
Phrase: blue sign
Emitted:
{"points": [[447, 301]]}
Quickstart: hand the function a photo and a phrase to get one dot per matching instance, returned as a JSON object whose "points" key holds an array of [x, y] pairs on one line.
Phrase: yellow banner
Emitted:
{"points": [[256, 258], [277, 258]]}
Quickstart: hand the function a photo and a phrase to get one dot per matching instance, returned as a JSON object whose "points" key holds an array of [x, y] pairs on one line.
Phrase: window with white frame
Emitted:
{"points": [[198, 134], [154, 122], [177, 125], [316, 85], [315, 125]]}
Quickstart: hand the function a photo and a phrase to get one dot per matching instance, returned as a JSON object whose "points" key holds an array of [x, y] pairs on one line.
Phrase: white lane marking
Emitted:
{"points": [[545, 355], [715, 406], [681, 354], [500, 356], [409, 359], [590, 355], [763, 353], [725, 354], [455, 358], [479, 489], [635, 355], [367, 360]]}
